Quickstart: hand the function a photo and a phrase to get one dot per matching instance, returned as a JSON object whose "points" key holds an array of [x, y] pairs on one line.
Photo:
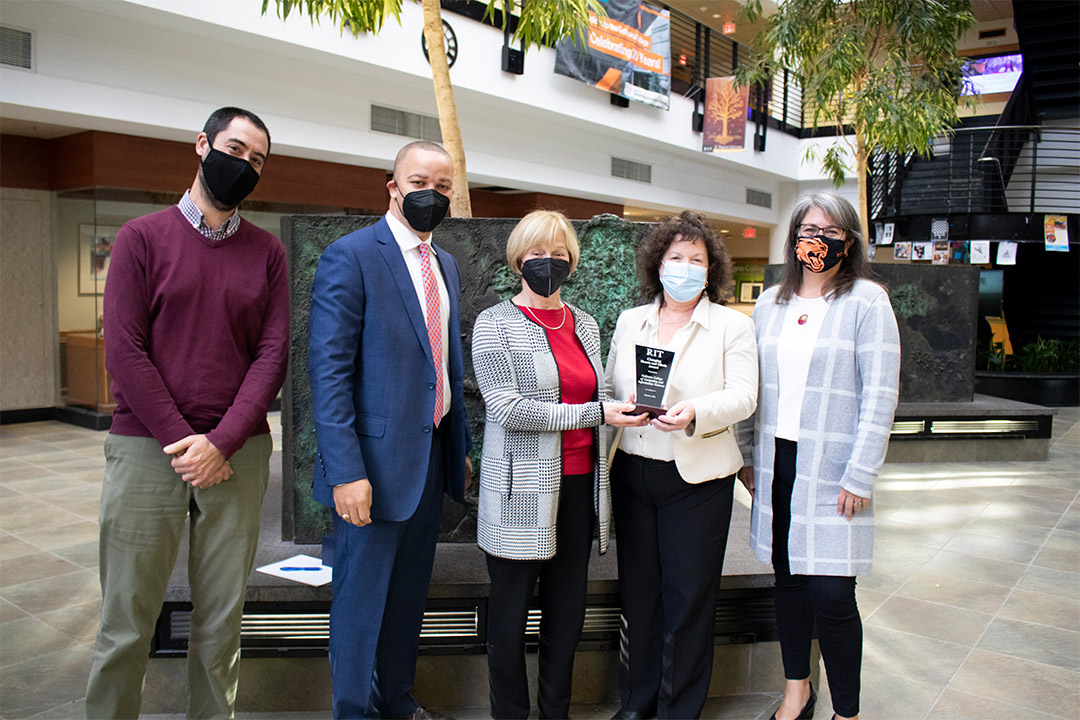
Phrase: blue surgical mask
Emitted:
{"points": [[683, 281]]}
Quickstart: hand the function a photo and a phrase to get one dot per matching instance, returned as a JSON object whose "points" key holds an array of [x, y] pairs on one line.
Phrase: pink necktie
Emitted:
{"points": [[434, 326]]}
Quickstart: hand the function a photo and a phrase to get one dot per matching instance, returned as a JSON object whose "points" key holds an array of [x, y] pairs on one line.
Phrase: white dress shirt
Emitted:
{"points": [[409, 243]]}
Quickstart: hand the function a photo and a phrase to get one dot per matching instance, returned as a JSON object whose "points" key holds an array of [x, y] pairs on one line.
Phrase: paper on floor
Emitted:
{"points": [[301, 568]]}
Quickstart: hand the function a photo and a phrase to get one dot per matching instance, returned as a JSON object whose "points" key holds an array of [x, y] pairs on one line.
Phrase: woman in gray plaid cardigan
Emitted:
{"points": [[543, 472], [829, 354]]}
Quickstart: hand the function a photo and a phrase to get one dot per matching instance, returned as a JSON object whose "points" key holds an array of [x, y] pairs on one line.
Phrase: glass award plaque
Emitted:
{"points": [[653, 368]]}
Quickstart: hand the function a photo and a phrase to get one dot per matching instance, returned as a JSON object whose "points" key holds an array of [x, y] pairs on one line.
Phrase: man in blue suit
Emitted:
{"points": [[386, 370]]}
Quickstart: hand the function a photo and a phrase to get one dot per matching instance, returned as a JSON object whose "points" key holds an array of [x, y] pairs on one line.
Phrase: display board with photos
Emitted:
{"points": [[935, 246]]}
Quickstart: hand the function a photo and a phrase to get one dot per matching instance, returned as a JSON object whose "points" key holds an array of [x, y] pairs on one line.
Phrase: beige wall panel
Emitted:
{"points": [[28, 336]]}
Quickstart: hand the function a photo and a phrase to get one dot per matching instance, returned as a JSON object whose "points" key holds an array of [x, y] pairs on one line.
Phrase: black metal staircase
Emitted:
{"points": [[1049, 34], [981, 170], [1027, 162], [998, 178]]}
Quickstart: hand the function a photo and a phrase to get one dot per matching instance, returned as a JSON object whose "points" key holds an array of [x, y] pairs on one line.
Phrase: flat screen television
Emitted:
{"points": [[997, 74]]}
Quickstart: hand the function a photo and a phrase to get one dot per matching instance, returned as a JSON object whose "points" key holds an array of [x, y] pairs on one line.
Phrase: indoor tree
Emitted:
{"points": [[888, 69], [540, 22]]}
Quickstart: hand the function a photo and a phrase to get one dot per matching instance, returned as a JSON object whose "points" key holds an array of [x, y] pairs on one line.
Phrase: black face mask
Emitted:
{"points": [[229, 179], [424, 209], [545, 275]]}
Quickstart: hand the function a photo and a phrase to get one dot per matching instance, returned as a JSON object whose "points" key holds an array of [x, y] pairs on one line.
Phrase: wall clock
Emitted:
{"points": [[451, 44]]}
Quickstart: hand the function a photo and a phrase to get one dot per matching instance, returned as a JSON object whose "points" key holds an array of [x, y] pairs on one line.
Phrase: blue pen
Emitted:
{"points": [[293, 569]]}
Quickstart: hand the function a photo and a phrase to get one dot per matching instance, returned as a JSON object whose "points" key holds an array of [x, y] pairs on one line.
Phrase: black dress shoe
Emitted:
{"points": [[808, 709], [633, 715]]}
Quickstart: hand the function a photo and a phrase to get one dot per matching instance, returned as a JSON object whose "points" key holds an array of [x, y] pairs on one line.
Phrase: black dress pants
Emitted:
{"points": [[563, 584], [805, 600], [671, 539]]}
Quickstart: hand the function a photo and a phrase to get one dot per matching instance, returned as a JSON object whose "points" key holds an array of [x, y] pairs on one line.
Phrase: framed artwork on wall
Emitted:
{"points": [[95, 247], [749, 291]]}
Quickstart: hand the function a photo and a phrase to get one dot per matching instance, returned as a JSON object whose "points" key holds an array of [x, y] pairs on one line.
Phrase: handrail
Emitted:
{"points": [[1015, 127]]}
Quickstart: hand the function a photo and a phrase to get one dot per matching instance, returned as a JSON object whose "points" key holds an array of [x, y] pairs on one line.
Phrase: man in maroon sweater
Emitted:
{"points": [[196, 340]]}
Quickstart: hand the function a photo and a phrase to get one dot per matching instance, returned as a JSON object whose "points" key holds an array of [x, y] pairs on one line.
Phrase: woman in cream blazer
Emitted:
{"points": [[672, 480]]}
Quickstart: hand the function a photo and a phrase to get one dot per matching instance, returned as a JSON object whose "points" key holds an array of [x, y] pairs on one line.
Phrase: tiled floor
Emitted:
{"points": [[972, 611]]}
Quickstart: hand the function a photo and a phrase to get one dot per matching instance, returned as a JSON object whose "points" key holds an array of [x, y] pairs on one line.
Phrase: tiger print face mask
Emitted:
{"points": [[819, 253]]}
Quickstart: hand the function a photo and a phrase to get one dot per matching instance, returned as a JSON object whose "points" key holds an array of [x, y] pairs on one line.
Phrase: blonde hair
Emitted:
{"points": [[541, 228]]}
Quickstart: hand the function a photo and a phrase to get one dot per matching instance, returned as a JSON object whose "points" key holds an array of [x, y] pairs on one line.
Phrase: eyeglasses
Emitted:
{"points": [[832, 232]]}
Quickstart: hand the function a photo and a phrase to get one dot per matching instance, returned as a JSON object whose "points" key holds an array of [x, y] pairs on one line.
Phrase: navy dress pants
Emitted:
{"points": [[381, 577]]}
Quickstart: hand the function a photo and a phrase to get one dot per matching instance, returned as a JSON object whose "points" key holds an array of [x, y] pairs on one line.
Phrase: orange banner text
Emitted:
{"points": [[619, 47], [614, 27]]}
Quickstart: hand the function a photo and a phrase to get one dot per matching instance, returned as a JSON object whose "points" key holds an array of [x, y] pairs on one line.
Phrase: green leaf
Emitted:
{"points": [[540, 22], [888, 67], [356, 16]]}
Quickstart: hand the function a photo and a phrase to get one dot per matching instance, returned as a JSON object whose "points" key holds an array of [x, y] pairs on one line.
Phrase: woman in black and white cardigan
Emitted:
{"points": [[543, 473]]}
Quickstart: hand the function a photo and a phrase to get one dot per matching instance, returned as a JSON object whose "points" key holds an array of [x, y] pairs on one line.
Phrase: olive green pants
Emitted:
{"points": [[144, 507]]}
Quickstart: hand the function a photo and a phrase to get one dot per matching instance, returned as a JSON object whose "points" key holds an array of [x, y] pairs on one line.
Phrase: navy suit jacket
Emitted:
{"points": [[373, 378]]}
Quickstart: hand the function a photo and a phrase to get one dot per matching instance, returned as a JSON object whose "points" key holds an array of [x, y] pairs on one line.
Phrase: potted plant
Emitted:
{"points": [[1043, 372]]}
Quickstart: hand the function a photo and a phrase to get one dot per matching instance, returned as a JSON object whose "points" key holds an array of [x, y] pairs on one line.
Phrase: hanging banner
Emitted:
{"points": [[959, 252], [980, 252], [725, 116], [1057, 233], [628, 53], [887, 237], [939, 229], [941, 252], [1006, 254]]}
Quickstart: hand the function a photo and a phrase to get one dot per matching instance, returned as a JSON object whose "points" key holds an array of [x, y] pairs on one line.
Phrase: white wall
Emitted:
{"points": [[970, 40], [157, 68]]}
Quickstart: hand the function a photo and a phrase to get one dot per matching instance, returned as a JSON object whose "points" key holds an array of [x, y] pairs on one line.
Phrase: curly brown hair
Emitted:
{"points": [[687, 225]]}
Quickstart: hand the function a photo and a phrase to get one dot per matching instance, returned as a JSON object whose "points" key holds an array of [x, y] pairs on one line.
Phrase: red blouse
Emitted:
{"points": [[577, 382]]}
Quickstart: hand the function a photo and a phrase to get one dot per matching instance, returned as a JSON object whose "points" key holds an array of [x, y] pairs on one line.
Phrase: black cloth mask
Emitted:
{"points": [[820, 253], [424, 209], [545, 275], [229, 179]]}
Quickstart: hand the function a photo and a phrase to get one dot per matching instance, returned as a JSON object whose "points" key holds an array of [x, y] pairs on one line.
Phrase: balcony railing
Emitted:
{"points": [[1002, 169]]}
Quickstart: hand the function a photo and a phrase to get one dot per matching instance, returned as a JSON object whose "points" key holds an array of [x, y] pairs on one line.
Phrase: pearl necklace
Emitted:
{"points": [[538, 320]]}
